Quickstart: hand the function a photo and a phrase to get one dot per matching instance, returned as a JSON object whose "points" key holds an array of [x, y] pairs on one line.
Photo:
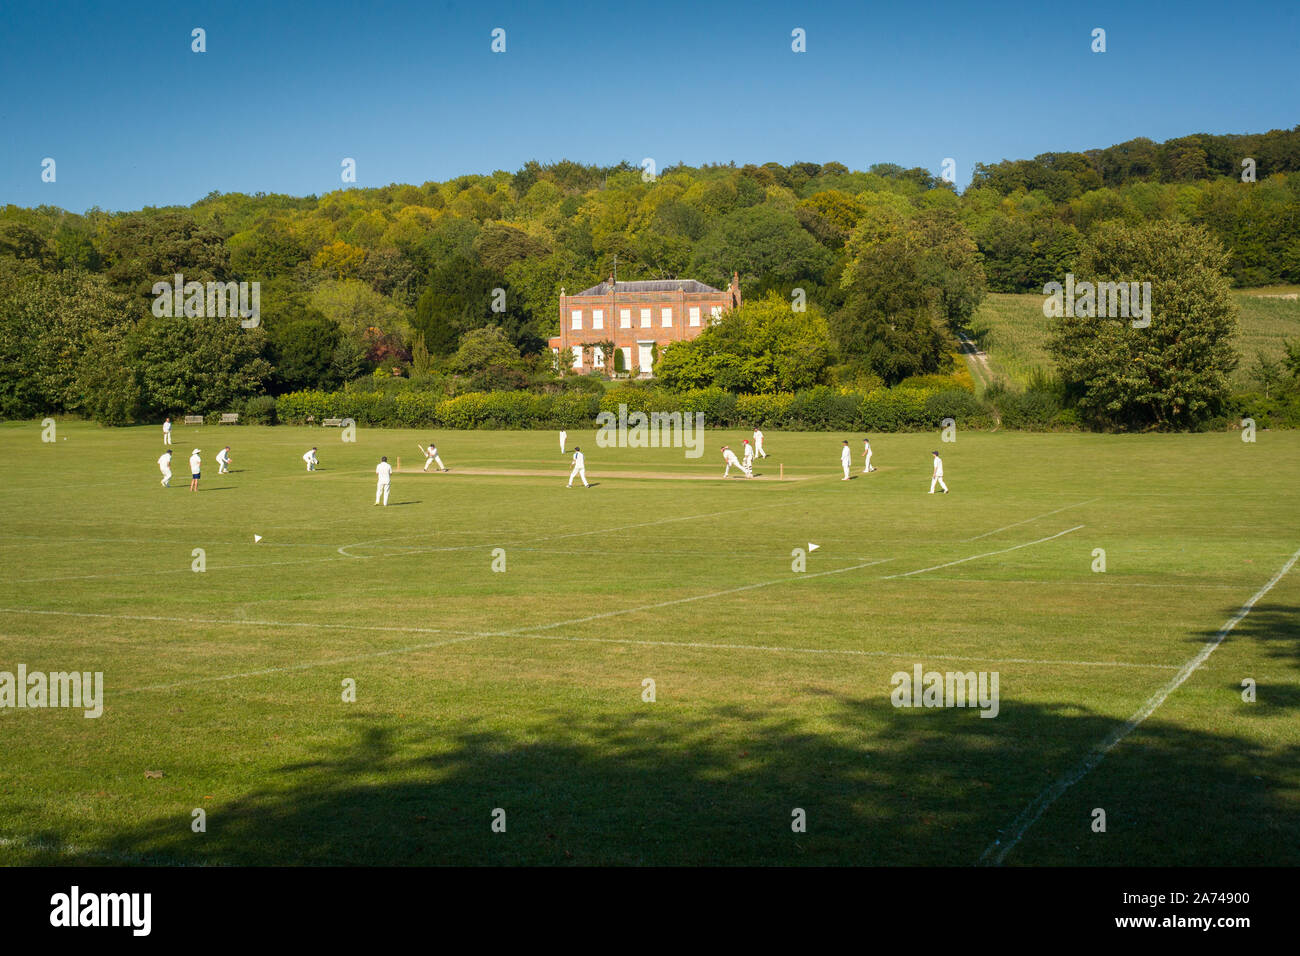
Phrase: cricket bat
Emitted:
{"points": [[421, 447]]}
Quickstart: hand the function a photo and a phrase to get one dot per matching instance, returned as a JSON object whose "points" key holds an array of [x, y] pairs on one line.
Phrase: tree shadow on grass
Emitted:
{"points": [[878, 785]]}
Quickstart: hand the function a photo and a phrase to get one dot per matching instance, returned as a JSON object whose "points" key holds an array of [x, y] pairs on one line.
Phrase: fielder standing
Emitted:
{"points": [[936, 477], [385, 472], [866, 455], [846, 459], [758, 442], [165, 466], [748, 456], [167, 431], [564, 436], [195, 463], [579, 468]]}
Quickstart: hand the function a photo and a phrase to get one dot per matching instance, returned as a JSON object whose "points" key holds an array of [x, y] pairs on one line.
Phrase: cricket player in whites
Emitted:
{"points": [[758, 442], [167, 431], [165, 466], [936, 477], [223, 461], [866, 455], [430, 456], [195, 463], [747, 461], [385, 472], [579, 467], [564, 436], [846, 459], [310, 459], [730, 458]]}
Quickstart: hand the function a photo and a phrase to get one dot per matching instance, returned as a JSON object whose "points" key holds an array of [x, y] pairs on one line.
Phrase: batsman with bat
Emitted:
{"points": [[430, 456]]}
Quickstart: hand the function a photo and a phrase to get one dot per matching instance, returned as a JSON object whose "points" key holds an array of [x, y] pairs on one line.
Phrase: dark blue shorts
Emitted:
{"points": [[195, 476]]}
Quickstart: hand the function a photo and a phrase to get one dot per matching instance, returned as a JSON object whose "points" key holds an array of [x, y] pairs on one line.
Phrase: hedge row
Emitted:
{"points": [[817, 409]]}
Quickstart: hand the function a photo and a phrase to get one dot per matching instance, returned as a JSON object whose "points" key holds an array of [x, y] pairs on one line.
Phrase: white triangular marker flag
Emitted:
{"points": [[813, 547], [256, 538]]}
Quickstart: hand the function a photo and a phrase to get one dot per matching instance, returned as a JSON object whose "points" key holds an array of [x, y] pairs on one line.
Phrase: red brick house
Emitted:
{"points": [[638, 317]]}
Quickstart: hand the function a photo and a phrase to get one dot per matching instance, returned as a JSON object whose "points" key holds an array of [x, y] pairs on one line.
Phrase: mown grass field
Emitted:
{"points": [[1014, 333], [523, 690]]}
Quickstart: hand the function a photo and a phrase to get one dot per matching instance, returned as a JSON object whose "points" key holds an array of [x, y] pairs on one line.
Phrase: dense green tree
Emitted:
{"points": [[197, 365], [149, 247], [762, 346], [303, 352], [757, 242], [1172, 373], [47, 324]]}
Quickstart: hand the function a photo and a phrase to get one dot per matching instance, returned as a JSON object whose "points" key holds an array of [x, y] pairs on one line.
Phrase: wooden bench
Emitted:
{"points": [[333, 422], [193, 419], [230, 418]]}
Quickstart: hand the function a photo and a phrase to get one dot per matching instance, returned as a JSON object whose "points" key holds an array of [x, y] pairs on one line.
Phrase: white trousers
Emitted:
{"points": [[758, 447], [167, 438], [937, 479], [845, 466], [429, 461], [221, 468], [579, 471], [166, 476], [311, 466], [563, 437], [382, 492], [866, 467]]}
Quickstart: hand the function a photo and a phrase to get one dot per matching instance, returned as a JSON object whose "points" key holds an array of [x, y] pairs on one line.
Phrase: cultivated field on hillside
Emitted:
{"points": [[1012, 330]]}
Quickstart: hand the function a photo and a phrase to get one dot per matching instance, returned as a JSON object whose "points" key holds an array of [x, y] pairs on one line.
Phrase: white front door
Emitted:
{"points": [[645, 355]]}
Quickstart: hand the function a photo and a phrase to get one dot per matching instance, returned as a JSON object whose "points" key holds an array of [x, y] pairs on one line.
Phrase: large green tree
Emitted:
{"points": [[762, 346], [1173, 372]]}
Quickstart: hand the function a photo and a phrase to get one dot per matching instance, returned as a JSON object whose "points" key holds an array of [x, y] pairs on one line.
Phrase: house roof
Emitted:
{"points": [[652, 285]]}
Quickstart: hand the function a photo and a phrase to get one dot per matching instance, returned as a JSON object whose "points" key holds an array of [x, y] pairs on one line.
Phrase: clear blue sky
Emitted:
{"points": [[413, 92]]}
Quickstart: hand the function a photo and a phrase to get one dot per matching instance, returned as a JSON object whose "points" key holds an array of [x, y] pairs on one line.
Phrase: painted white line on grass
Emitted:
{"points": [[792, 579], [309, 665], [997, 851], [239, 623], [850, 652], [1078, 504], [1092, 582], [467, 636], [986, 554], [186, 570]]}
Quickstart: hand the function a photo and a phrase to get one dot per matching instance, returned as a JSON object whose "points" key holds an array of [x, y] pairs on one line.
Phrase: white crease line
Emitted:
{"points": [[986, 554], [1045, 514], [997, 851]]}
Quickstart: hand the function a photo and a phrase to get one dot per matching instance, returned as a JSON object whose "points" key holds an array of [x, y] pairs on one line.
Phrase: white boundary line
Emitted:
{"points": [[997, 851], [850, 652], [986, 554], [1078, 504], [686, 600]]}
